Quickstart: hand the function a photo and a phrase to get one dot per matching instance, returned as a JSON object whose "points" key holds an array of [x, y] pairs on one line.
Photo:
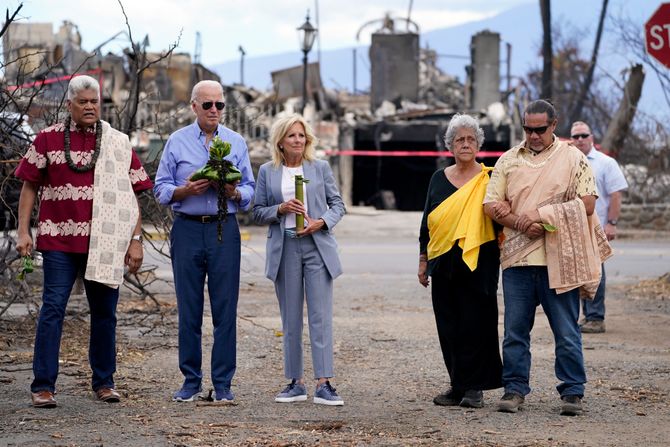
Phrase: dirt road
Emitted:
{"points": [[388, 366]]}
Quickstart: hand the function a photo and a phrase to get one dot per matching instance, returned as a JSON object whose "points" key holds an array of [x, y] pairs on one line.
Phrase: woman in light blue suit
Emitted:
{"points": [[303, 263]]}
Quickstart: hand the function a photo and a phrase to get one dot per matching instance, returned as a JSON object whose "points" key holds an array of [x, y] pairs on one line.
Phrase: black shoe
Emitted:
{"points": [[450, 398], [571, 406], [473, 399]]}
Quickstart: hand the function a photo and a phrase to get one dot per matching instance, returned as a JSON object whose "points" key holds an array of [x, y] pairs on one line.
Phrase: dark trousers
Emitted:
{"points": [[60, 272], [198, 255], [594, 310], [467, 325]]}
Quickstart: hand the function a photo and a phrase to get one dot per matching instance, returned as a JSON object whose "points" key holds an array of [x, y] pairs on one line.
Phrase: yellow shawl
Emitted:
{"points": [[461, 218]]}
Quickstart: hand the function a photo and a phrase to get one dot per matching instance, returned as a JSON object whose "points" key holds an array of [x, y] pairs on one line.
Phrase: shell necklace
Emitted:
{"points": [[96, 152]]}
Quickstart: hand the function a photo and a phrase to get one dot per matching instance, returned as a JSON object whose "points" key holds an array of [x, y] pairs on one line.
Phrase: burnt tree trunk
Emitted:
{"points": [[138, 64], [547, 52], [575, 113], [618, 129]]}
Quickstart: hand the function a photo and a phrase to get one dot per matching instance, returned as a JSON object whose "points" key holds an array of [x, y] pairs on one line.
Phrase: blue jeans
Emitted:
{"points": [[594, 310], [524, 288], [196, 255], [60, 272]]}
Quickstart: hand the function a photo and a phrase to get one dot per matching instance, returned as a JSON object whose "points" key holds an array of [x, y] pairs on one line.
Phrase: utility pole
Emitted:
{"points": [[242, 53], [198, 48], [354, 70], [508, 73], [318, 36]]}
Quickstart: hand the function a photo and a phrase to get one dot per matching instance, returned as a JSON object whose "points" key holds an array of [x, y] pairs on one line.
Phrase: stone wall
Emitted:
{"points": [[654, 217], [644, 187]]}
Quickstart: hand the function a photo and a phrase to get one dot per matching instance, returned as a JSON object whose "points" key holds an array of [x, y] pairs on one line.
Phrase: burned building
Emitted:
{"points": [[388, 163], [142, 93], [45, 61], [387, 160]]}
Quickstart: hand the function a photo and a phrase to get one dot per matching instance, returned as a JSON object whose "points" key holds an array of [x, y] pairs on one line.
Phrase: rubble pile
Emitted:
{"points": [[436, 88]]}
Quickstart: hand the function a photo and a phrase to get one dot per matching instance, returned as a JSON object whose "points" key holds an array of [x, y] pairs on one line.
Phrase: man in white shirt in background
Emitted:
{"points": [[610, 181]]}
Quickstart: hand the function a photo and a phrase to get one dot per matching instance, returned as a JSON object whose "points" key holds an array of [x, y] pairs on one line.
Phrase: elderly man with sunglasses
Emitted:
{"points": [[610, 181], [198, 246], [543, 192]]}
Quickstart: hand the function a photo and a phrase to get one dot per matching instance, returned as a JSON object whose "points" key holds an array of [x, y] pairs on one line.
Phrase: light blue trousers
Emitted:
{"points": [[302, 274]]}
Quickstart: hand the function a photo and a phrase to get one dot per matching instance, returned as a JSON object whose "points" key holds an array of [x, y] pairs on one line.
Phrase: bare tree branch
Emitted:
{"points": [[138, 64], [9, 20]]}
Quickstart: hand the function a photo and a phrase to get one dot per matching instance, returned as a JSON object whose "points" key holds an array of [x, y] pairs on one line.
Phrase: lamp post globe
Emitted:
{"points": [[306, 35]]}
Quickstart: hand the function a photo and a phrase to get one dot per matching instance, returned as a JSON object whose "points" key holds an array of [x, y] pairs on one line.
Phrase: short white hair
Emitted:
{"points": [[202, 84], [82, 82], [459, 121]]}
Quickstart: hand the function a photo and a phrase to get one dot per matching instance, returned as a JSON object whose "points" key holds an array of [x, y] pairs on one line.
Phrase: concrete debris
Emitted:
{"points": [[495, 112], [437, 88], [387, 108]]}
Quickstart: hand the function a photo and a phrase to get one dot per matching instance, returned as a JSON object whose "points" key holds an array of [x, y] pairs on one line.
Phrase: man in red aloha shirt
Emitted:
{"points": [[86, 175]]}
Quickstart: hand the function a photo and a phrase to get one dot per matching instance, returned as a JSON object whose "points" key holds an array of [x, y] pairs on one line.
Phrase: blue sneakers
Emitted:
{"points": [[294, 392], [325, 394], [224, 395], [186, 395]]}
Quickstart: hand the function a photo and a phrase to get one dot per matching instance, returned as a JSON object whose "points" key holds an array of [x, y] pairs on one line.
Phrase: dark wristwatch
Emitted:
{"points": [[612, 222]]}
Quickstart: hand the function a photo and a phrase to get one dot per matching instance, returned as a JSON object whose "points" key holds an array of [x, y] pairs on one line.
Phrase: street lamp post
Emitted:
{"points": [[306, 35]]}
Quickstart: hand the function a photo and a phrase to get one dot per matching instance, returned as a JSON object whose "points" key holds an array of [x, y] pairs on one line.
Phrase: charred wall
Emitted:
{"points": [[401, 182], [394, 65]]}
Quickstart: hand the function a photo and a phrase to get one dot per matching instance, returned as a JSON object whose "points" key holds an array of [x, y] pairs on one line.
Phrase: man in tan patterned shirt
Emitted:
{"points": [[535, 183]]}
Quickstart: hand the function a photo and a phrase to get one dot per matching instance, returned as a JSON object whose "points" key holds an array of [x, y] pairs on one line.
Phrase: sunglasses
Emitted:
{"points": [[208, 105], [582, 136], [538, 130]]}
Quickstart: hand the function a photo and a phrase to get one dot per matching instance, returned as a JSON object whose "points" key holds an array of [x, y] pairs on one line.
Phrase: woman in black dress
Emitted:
{"points": [[459, 251]]}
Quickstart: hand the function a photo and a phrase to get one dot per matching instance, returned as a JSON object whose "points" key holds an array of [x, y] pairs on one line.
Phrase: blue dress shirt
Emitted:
{"points": [[185, 152]]}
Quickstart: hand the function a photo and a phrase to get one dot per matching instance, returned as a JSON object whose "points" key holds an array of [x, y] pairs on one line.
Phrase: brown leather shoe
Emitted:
{"points": [[593, 327], [44, 399], [109, 395]]}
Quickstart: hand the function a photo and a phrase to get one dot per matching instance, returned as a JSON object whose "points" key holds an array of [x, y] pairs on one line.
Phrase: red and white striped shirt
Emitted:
{"points": [[66, 196]]}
